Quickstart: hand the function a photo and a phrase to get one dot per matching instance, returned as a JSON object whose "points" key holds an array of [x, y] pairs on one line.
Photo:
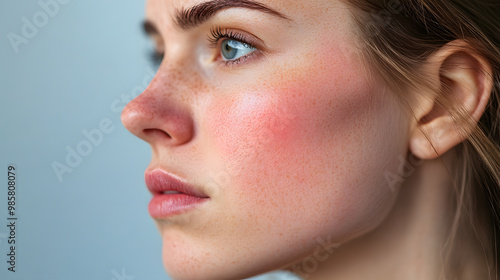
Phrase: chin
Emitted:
{"points": [[198, 263], [184, 270]]}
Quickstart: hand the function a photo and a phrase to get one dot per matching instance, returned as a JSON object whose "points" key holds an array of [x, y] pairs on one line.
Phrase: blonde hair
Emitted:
{"points": [[397, 39]]}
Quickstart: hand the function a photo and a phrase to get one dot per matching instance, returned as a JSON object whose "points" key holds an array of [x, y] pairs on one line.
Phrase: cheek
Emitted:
{"points": [[253, 125], [296, 153]]}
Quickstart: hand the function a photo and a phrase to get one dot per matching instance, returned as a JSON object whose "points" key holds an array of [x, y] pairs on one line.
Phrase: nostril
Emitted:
{"points": [[156, 133]]}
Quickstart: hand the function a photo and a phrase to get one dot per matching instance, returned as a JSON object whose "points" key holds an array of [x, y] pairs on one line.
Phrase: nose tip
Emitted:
{"points": [[157, 121]]}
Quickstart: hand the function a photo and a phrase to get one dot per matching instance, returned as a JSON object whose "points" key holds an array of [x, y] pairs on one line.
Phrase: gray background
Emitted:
{"points": [[73, 72]]}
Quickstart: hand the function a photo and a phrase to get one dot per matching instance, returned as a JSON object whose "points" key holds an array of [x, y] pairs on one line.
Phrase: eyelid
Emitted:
{"points": [[217, 33], [240, 60]]}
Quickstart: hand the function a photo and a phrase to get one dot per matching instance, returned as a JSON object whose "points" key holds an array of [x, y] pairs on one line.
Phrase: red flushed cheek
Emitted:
{"points": [[253, 136], [251, 125]]}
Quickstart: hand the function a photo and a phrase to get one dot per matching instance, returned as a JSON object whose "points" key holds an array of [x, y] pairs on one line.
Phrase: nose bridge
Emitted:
{"points": [[179, 77], [163, 112], [172, 78]]}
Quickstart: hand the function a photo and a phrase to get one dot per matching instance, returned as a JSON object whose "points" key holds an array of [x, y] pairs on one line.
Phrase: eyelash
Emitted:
{"points": [[217, 33], [155, 58]]}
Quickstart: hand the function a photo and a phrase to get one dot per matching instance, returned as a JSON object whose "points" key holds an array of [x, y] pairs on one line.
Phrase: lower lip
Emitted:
{"points": [[167, 205]]}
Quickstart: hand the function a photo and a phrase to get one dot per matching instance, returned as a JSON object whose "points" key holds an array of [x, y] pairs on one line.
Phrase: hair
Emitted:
{"points": [[397, 39]]}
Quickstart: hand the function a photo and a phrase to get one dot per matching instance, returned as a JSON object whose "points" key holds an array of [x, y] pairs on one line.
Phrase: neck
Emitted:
{"points": [[411, 243]]}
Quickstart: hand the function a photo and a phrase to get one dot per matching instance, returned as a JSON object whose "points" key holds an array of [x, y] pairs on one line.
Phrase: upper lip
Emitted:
{"points": [[159, 181]]}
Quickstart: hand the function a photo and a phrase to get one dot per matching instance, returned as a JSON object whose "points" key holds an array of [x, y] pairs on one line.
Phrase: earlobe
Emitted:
{"points": [[450, 113]]}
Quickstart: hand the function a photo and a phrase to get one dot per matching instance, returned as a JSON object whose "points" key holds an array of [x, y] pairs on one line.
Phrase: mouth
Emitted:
{"points": [[171, 195]]}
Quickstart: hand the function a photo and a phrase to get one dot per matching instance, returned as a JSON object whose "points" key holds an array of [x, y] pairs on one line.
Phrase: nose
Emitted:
{"points": [[158, 115]]}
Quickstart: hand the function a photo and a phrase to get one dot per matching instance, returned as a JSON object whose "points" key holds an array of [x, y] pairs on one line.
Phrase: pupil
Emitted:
{"points": [[229, 49]]}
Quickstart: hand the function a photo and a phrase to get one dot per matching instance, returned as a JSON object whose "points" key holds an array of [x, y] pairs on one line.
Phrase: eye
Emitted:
{"points": [[232, 49]]}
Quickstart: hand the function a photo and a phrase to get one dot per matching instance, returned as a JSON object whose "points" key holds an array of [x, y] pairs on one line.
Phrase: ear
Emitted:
{"points": [[463, 83]]}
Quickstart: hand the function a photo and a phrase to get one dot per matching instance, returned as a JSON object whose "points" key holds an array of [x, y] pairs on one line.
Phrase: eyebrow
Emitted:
{"points": [[149, 28], [200, 13]]}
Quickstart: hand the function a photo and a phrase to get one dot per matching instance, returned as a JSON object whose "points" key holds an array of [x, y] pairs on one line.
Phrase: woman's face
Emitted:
{"points": [[278, 122]]}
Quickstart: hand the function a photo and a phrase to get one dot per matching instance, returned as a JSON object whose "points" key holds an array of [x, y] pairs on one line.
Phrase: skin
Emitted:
{"points": [[293, 146]]}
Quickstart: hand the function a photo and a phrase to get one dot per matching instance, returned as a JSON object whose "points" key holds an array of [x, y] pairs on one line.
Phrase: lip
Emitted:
{"points": [[171, 195]]}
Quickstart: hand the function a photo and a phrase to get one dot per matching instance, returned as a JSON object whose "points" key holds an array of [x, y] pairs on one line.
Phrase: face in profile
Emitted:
{"points": [[268, 133]]}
